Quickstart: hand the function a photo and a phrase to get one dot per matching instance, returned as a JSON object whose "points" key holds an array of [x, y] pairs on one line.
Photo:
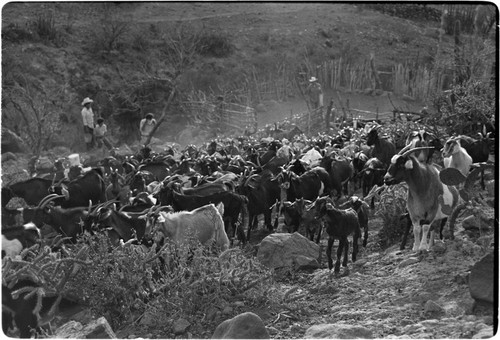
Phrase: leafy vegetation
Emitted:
{"points": [[391, 206]]}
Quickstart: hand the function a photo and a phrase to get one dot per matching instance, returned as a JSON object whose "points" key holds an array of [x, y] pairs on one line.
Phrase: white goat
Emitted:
{"points": [[428, 198], [204, 223], [455, 156]]}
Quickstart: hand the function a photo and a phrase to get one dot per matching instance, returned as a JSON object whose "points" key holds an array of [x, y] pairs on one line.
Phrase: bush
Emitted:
{"points": [[126, 282], [17, 34], [390, 208], [465, 108], [215, 44]]}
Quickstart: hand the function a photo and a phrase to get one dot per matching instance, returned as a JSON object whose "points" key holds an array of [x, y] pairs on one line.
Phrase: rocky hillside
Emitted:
{"points": [[123, 56]]}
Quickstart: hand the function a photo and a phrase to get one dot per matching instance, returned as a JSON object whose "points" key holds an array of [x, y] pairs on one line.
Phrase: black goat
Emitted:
{"points": [[32, 191], [361, 208], [382, 148], [66, 221], [339, 224], [373, 174], [340, 171], [295, 214]]}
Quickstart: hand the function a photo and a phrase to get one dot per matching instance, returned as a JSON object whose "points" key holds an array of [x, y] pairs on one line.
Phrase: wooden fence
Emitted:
{"points": [[226, 116]]}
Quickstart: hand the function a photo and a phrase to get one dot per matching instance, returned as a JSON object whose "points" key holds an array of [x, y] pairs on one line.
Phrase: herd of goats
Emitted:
{"points": [[207, 191]]}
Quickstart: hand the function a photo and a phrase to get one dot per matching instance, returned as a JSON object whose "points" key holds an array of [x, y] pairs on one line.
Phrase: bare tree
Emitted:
{"points": [[36, 107]]}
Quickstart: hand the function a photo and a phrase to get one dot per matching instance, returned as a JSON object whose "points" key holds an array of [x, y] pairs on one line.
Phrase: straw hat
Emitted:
{"points": [[87, 100], [313, 79]]}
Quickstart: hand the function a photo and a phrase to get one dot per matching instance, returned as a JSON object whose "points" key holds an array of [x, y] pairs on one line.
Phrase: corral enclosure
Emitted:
{"points": [[241, 67]]}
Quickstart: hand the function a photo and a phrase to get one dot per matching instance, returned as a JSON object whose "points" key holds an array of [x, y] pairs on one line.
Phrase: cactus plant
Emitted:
{"points": [[451, 176]]}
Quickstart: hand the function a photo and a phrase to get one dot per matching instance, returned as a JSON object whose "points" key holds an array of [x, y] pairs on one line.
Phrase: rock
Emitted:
{"points": [[439, 247], [7, 156], [432, 307], [474, 223], [180, 326], [338, 331], [484, 333], [148, 319], [97, 329], [12, 142], [407, 262], [481, 279], [490, 187], [227, 310], [243, 326], [271, 330], [239, 304], [288, 250]]}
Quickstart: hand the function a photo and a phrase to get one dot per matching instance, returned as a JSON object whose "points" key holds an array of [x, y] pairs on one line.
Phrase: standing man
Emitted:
{"points": [[146, 127], [88, 122], [315, 93]]}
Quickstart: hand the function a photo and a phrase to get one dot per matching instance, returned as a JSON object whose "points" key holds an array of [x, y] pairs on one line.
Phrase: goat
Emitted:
{"points": [[372, 174], [361, 208], [234, 204], [340, 171], [205, 223], [295, 214], [15, 239], [479, 149], [428, 198], [340, 223], [382, 148], [455, 156], [66, 221]]}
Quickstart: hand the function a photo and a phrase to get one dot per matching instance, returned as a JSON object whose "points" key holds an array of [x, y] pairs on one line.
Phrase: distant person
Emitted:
{"points": [[314, 93], [88, 122], [100, 131], [146, 127]]}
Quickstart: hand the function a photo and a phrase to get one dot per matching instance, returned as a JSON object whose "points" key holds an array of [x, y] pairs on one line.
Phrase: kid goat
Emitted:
{"points": [[428, 198]]}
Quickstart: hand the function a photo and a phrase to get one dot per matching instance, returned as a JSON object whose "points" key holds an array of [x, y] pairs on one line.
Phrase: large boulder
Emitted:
{"points": [[338, 331], [481, 279], [12, 142], [288, 251], [243, 326]]}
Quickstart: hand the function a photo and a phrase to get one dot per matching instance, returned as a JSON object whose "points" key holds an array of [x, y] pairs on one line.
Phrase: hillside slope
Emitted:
{"points": [[265, 37]]}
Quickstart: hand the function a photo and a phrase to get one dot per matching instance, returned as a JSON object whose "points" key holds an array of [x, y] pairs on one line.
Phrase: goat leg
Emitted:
{"points": [[339, 255], [346, 251], [329, 254]]}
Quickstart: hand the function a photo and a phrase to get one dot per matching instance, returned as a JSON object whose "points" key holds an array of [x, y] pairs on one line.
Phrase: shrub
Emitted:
{"points": [[465, 108], [16, 34], [390, 208], [215, 44]]}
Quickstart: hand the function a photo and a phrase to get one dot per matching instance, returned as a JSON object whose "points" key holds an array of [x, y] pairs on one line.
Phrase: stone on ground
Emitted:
{"points": [[481, 279], [180, 326], [288, 250], [338, 331], [97, 329], [243, 326]]}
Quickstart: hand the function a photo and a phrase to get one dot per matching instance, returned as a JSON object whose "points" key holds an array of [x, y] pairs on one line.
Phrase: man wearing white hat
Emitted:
{"points": [[88, 122], [315, 93]]}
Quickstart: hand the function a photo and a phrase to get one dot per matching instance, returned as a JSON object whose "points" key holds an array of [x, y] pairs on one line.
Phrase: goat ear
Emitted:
{"points": [[160, 219], [409, 164]]}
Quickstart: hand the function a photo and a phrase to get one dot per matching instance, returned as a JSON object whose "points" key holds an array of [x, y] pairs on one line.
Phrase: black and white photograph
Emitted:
{"points": [[249, 170]]}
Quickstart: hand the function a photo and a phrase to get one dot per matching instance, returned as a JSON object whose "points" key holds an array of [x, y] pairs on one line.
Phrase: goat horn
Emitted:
{"points": [[47, 199], [53, 179], [416, 149]]}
